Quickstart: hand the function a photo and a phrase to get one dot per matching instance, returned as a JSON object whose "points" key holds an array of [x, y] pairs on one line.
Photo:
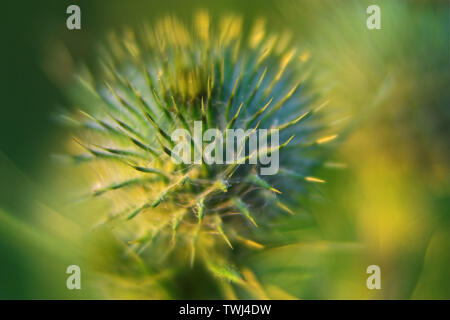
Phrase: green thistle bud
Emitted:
{"points": [[165, 78]]}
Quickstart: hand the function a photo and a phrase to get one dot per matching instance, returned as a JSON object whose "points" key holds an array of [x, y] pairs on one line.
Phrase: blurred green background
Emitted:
{"points": [[389, 206]]}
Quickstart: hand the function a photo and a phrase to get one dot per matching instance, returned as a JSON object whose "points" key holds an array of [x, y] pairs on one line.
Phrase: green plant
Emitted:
{"points": [[167, 77]]}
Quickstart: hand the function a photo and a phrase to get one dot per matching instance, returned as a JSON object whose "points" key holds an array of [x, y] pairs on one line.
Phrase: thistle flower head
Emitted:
{"points": [[169, 76]]}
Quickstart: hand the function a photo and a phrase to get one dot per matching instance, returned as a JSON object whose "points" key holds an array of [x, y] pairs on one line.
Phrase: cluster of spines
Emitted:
{"points": [[172, 77]]}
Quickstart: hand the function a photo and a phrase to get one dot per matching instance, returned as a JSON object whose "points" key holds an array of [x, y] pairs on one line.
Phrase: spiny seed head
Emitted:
{"points": [[167, 77]]}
